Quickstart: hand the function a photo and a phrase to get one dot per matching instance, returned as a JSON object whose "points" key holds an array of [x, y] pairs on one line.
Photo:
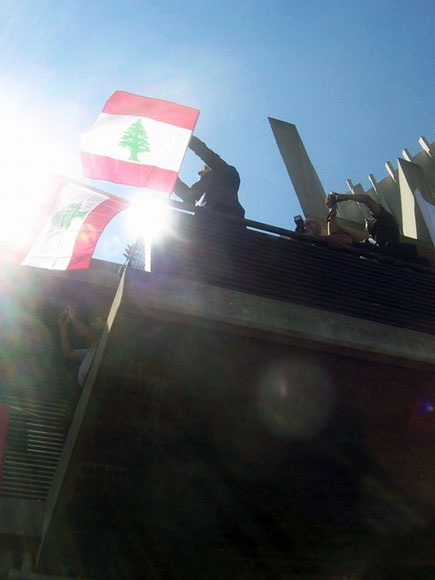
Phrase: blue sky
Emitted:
{"points": [[357, 79]]}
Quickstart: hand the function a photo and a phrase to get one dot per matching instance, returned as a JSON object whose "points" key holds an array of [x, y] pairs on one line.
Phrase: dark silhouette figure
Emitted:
{"points": [[383, 230], [217, 186], [381, 225]]}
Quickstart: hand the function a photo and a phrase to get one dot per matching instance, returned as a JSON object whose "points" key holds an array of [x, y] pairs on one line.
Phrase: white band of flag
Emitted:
{"points": [[138, 141], [70, 231]]}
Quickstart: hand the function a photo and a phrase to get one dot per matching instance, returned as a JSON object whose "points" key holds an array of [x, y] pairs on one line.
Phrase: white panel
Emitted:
{"points": [[417, 199], [300, 169]]}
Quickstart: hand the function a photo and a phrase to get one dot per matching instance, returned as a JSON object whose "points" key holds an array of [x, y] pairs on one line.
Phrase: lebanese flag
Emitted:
{"points": [[138, 141], [72, 222]]}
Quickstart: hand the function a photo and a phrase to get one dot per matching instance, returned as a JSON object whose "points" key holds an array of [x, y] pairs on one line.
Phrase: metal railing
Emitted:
{"points": [[264, 260]]}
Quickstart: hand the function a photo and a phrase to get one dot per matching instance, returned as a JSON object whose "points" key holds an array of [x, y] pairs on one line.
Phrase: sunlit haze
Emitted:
{"points": [[24, 174]]}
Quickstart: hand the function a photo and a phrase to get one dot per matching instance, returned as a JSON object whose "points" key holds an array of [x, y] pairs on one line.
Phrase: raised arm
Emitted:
{"points": [[364, 198], [82, 330], [207, 155], [65, 344], [337, 234]]}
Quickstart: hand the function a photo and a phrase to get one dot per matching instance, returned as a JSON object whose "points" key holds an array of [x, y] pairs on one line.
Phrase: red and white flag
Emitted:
{"points": [[73, 220], [138, 141]]}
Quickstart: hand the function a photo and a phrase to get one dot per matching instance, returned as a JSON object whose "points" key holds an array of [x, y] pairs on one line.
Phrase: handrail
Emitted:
{"points": [[304, 238], [269, 261]]}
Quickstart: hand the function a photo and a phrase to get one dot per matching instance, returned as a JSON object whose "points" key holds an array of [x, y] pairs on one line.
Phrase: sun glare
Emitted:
{"points": [[148, 216], [28, 159]]}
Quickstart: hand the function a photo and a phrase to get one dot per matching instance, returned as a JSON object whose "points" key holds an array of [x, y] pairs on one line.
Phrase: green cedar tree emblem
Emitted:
{"points": [[64, 217], [135, 138]]}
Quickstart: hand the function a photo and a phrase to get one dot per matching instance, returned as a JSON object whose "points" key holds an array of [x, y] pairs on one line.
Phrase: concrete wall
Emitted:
{"points": [[218, 425]]}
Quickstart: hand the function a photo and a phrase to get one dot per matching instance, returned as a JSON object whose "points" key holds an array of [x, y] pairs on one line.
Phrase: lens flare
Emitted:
{"points": [[295, 398]]}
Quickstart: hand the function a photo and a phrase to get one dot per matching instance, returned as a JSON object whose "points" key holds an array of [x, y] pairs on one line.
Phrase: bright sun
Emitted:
{"points": [[31, 152], [148, 215]]}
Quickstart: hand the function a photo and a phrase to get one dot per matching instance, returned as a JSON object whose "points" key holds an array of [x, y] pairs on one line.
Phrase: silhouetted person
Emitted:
{"points": [[383, 230], [89, 335], [217, 186], [381, 225]]}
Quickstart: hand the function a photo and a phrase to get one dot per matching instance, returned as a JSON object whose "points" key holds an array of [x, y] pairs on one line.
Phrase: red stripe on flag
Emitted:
{"points": [[4, 422], [91, 230], [117, 171], [122, 103]]}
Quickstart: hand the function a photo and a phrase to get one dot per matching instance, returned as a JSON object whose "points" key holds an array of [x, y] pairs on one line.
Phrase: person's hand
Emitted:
{"points": [[128, 252], [334, 197]]}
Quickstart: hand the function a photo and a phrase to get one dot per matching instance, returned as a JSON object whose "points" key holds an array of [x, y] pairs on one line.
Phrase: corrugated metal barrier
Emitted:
{"points": [[33, 446], [267, 261]]}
